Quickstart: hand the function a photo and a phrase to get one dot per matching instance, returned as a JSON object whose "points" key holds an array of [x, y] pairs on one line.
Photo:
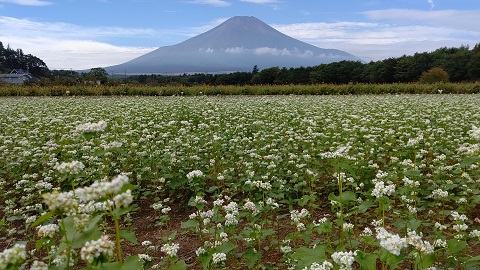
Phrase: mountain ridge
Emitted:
{"points": [[237, 44]]}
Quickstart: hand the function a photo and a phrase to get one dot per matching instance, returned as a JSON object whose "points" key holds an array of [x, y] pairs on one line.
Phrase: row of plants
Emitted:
{"points": [[317, 89], [256, 182]]}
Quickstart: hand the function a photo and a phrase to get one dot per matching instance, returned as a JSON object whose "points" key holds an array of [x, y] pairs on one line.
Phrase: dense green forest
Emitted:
{"points": [[16, 59], [444, 64]]}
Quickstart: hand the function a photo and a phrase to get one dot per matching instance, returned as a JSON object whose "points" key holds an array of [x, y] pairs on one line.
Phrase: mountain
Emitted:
{"points": [[235, 45]]}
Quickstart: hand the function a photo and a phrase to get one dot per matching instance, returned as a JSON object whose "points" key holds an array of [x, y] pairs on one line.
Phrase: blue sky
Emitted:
{"points": [[81, 34]]}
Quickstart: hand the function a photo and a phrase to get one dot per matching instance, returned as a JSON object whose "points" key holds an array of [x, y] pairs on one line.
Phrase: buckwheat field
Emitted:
{"points": [[240, 182]]}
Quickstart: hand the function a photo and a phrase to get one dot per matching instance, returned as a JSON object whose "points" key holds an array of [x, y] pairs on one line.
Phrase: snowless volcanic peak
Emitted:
{"points": [[237, 44]]}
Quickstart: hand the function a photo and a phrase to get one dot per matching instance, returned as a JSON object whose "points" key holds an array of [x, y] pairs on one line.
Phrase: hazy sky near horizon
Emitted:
{"points": [[82, 34]]}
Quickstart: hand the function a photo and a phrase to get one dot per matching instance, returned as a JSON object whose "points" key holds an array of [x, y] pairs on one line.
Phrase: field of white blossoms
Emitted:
{"points": [[265, 182]]}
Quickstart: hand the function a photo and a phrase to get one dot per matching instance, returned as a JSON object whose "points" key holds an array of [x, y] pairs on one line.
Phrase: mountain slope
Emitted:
{"points": [[235, 45]]}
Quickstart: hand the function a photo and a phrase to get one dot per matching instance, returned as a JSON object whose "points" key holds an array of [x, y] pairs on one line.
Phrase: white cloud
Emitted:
{"points": [[432, 4], [235, 50], [65, 46], [458, 19], [208, 50], [217, 3], [391, 33], [282, 52], [28, 2]]}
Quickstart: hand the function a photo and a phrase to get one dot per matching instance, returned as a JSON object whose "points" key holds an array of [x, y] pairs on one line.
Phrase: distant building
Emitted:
{"points": [[17, 76]]}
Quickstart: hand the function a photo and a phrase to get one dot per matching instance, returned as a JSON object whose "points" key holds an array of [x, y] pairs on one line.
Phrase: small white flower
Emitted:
{"points": [[72, 167], [348, 227], [91, 127], [38, 265], [47, 230], [219, 257], [316, 266], [344, 259], [170, 249], [13, 256], [94, 249], [391, 242], [195, 173]]}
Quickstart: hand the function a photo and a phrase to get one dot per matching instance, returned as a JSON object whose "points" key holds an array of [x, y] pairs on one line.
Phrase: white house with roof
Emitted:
{"points": [[17, 76]]}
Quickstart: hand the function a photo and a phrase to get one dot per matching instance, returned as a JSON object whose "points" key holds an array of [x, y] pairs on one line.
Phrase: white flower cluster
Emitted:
{"points": [[457, 217], [475, 132], [251, 207], [69, 200], [63, 201], [416, 241], [200, 199], [101, 189], [341, 152], [296, 216], [96, 248], [91, 127], [259, 184], [439, 193], [316, 266], [348, 227], [145, 257], [381, 189], [195, 173], [170, 249], [124, 199], [219, 257], [38, 265], [410, 183], [48, 230], [391, 242], [158, 206], [475, 234], [13, 256], [231, 213], [344, 259], [440, 243], [73, 167]]}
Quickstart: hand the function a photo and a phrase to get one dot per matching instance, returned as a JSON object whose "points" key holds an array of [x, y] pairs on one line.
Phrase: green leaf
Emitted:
{"points": [[126, 187], [472, 261], [128, 235], [365, 206], [455, 246], [81, 238], [212, 189], [252, 257], [39, 244], [307, 256], [413, 224], [428, 260], [333, 197], [191, 223], [132, 263], [412, 173], [225, 247], [178, 265], [348, 196], [111, 266], [469, 161], [367, 261], [205, 258], [41, 219]]}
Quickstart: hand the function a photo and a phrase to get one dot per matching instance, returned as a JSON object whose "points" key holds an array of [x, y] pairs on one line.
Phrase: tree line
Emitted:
{"points": [[15, 59], [460, 64]]}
